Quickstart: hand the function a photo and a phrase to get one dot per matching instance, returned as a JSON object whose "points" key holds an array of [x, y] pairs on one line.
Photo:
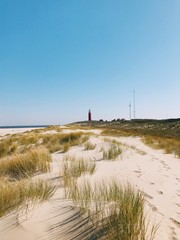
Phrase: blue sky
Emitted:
{"points": [[59, 58]]}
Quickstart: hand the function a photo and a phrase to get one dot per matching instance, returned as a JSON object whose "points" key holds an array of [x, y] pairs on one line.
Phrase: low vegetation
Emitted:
{"points": [[166, 143], [160, 134], [169, 145], [116, 133], [74, 167], [112, 153], [89, 146], [26, 154], [26, 164], [63, 142], [20, 143], [22, 195], [18, 191], [115, 211]]}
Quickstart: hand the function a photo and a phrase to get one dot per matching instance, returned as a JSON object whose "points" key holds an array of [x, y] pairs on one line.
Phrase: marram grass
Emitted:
{"points": [[115, 211], [153, 139], [63, 142], [21, 195], [21, 143], [73, 167], [89, 146], [27, 164], [169, 145], [112, 153]]}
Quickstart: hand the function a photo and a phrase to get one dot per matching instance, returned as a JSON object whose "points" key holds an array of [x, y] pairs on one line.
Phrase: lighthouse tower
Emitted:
{"points": [[89, 116]]}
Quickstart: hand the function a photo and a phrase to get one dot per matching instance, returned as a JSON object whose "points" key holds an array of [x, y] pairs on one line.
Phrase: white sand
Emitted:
{"points": [[5, 131], [156, 174]]}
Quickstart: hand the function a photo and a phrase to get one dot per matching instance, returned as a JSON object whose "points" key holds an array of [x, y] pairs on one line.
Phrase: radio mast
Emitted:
{"points": [[134, 103], [130, 111]]}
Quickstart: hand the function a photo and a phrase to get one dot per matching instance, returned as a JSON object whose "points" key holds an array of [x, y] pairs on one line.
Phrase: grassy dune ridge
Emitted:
{"points": [[159, 134], [115, 211], [20, 143]]}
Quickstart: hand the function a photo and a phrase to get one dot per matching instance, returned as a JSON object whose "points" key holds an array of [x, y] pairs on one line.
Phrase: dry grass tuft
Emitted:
{"points": [[27, 164], [112, 153], [57, 142], [21, 195], [89, 146], [74, 167]]}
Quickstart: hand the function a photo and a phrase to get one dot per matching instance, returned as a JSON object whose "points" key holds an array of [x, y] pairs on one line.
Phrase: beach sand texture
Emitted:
{"points": [[154, 173]]}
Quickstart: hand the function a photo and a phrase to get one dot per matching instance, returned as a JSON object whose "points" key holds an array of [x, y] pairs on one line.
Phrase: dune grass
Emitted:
{"points": [[26, 164], [57, 128], [18, 193], [115, 211], [17, 143], [22, 195], [117, 133], [63, 142], [6, 148], [74, 167], [89, 146], [169, 145], [21, 143], [112, 153], [157, 140]]}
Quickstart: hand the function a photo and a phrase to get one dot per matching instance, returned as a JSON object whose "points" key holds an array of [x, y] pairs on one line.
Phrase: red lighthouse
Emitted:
{"points": [[89, 116]]}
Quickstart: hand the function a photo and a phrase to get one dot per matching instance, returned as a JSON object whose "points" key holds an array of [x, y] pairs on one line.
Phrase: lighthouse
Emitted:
{"points": [[89, 116]]}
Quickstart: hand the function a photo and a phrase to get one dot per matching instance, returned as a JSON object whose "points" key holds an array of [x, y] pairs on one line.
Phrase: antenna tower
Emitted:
{"points": [[129, 111], [134, 102]]}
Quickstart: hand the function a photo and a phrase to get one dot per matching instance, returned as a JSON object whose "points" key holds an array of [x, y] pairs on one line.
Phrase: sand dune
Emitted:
{"points": [[156, 175]]}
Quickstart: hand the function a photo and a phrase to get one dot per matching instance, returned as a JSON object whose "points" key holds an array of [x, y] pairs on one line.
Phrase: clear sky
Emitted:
{"points": [[58, 58]]}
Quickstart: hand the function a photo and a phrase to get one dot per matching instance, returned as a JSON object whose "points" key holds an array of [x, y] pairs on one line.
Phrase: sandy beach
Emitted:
{"points": [[6, 131], [154, 173]]}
